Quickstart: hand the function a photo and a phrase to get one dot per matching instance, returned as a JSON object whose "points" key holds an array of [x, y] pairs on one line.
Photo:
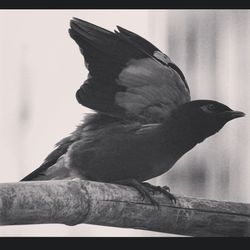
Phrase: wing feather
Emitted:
{"points": [[128, 76]]}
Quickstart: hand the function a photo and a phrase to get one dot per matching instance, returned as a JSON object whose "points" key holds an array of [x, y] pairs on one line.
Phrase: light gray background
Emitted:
{"points": [[41, 68]]}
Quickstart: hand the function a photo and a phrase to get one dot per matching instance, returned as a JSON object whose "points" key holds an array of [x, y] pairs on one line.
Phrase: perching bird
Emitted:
{"points": [[144, 120]]}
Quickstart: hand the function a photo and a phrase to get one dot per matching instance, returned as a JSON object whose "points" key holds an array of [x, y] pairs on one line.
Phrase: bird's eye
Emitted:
{"points": [[209, 108]]}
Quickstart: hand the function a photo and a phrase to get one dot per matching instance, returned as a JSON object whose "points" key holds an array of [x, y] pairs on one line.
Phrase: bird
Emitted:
{"points": [[144, 120]]}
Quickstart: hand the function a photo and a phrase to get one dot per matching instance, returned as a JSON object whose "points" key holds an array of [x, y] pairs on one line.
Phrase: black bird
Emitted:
{"points": [[144, 120]]}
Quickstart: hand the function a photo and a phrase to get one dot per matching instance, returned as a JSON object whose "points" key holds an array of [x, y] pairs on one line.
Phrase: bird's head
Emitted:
{"points": [[204, 118]]}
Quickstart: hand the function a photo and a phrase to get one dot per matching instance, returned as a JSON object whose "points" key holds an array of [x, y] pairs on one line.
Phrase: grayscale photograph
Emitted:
{"points": [[125, 123]]}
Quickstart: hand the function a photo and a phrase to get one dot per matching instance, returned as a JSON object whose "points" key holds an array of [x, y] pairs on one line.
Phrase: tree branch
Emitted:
{"points": [[76, 201]]}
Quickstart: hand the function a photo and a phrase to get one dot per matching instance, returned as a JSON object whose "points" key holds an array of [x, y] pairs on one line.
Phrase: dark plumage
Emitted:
{"points": [[144, 120]]}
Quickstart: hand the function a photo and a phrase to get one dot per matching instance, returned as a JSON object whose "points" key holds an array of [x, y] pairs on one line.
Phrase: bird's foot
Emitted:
{"points": [[145, 189], [165, 190]]}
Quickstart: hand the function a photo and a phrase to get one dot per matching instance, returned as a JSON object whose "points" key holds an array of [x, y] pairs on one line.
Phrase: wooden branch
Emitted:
{"points": [[72, 202]]}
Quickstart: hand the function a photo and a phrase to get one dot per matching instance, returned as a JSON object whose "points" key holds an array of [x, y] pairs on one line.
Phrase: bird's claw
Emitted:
{"points": [[142, 188], [165, 190], [169, 195], [146, 188]]}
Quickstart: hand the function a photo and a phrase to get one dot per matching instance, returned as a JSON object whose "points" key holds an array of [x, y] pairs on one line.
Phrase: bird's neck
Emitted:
{"points": [[179, 136]]}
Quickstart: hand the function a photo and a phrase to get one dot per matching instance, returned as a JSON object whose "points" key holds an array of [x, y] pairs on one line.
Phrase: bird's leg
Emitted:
{"points": [[140, 188], [144, 189], [165, 190], [155, 188]]}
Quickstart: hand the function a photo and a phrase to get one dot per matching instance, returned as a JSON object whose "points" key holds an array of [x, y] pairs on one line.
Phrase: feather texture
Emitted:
{"points": [[128, 76]]}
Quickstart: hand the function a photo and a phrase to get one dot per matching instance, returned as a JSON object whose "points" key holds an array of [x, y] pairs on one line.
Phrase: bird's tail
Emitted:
{"points": [[54, 164], [57, 171]]}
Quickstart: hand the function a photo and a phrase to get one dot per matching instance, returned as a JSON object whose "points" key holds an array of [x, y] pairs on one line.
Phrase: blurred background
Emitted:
{"points": [[41, 68]]}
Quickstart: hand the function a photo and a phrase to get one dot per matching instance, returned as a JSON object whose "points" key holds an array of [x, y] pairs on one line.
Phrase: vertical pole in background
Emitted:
{"points": [[23, 108]]}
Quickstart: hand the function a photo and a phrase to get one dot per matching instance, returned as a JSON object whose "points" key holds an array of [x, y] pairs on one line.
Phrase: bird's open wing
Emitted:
{"points": [[128, 76]]}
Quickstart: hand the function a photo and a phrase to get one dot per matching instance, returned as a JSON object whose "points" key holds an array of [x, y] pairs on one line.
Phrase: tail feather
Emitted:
{"points": [[51, 160], [58, 171]]}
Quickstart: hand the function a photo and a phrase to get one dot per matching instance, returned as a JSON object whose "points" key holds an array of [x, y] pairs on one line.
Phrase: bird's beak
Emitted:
{"points": [[230, 115]]}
